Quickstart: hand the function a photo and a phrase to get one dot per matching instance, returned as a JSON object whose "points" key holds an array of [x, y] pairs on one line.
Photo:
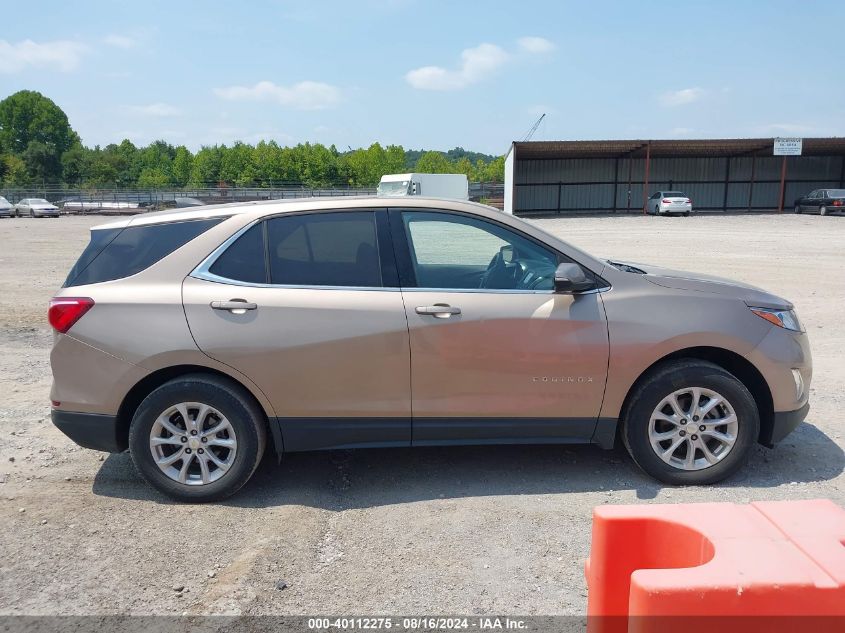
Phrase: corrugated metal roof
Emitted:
{"points": [[680, 147]]}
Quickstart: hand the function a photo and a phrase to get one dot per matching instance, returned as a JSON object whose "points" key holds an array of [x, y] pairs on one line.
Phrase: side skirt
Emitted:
{"points": [[313, 434]]}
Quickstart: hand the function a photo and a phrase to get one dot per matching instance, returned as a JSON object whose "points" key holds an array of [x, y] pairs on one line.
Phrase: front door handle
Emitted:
{"points": [[438, 310], [235, 306]]}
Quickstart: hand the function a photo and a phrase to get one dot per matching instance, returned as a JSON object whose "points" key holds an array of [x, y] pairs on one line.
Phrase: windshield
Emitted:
{"points": [[395, 188], [674, 194]]}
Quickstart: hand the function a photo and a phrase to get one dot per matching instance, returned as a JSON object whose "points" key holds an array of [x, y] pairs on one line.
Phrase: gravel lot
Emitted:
{"points": [[438, 530]]}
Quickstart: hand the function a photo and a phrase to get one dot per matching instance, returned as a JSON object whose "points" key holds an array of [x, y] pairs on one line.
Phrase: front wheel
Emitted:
{"points": [[797, 208], [690, 422], [197, 438]]}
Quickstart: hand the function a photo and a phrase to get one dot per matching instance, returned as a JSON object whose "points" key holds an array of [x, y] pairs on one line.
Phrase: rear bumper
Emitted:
{"points": [[783, 424], [91, 430]]}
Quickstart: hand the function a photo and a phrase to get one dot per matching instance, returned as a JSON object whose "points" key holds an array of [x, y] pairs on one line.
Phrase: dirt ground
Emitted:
{"points": [[434, 531]]}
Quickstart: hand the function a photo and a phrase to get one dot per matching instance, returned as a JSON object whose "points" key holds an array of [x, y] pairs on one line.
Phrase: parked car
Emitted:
{"points": [[823, 201], [668, 203], [5, 208], [36, 208], [197, 337]]}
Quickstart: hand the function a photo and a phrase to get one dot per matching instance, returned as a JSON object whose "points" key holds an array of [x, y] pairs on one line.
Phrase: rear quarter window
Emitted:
{"points": [[117, 253]]}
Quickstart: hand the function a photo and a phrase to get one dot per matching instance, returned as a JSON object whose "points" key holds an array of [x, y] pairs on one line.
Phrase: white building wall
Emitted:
{"points": [[509, 180]]}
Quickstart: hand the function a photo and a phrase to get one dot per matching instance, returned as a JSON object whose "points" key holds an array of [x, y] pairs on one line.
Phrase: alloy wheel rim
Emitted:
{"points": [[693, 428], [193, 443]]}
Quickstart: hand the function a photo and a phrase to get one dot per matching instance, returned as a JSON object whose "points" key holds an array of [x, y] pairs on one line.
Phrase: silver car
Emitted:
{"points": [[36, 208], [5, 208]]}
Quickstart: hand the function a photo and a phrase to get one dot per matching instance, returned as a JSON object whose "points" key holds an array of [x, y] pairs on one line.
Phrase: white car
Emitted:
{"points": [[669, 202], [5, 208], [36, 208]]}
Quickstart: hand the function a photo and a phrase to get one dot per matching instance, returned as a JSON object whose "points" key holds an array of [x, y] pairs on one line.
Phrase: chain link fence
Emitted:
{"points": [[76, 200]]}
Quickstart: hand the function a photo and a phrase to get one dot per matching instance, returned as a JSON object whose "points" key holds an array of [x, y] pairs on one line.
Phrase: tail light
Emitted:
{"points": [[837, 203], [667, 201], [65, 311], [689, 200]]}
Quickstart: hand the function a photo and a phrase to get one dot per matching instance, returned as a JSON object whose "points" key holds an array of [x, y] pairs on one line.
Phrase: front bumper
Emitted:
{"points": [[91, 430], [783, 424]]}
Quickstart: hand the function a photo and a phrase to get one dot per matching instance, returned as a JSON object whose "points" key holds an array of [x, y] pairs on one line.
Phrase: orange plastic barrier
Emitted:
{"points": [[736, 564]]}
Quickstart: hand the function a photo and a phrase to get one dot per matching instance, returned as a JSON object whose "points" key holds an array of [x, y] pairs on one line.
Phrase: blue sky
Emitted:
{"points": [[424, 73]]}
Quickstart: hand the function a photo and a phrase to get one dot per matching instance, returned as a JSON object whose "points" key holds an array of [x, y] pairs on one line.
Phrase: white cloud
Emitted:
{"points": [[120, 41], [156, 110], [305, 95], [681, 97], [62, 55], [476, 64], [536, 45]]}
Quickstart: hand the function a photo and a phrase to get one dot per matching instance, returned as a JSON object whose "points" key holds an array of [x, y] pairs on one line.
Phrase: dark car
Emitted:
{"points": [[822, 200]]}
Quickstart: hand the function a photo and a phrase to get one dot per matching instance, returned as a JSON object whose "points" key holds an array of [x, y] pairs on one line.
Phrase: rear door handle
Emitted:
{"points": [[438, 310], [235, 306]]}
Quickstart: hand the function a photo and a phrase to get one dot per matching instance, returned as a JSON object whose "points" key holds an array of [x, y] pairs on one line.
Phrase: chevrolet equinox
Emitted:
{"points": [[194, 338]]}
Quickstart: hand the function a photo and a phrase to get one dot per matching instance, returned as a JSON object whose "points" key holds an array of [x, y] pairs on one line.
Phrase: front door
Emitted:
{"points": [[322, 330], [496, 355]]}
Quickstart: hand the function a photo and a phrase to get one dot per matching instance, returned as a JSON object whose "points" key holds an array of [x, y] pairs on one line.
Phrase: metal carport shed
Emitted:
{"points": [[565, 177]]}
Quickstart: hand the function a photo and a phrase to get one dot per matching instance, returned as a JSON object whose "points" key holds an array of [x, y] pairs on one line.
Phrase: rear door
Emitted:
{"points": [[496, 355], [308, 307]]}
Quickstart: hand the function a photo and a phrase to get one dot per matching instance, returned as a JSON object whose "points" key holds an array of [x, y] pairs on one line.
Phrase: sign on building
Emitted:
{"points": [[788, 146]]}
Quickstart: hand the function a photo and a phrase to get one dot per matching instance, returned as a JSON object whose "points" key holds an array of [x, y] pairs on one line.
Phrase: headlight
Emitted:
{"points": [[786, 319]]}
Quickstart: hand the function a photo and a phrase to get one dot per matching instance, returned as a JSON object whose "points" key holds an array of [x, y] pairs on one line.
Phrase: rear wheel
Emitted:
{"points": [[686, 214], [197, 438], [690, 422], [822, 210]]}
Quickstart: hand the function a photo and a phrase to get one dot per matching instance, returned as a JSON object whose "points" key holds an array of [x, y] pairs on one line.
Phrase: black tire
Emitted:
{"points": [[234, 402], [686, 214], [662, 381], [822, 210], [797, 208]]}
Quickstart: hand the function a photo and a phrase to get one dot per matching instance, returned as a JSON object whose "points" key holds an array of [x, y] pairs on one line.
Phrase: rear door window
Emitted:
{"points": [[117, 253], [324, 249]]}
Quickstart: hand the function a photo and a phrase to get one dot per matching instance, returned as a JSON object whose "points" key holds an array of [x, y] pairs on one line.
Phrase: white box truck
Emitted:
{"points": [[454, 186]]}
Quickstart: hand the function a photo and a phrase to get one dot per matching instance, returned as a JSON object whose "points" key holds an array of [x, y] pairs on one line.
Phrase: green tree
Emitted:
{"points": [[236, 165], [154, 177], [14, 170], [434, 163], [494, 171], [28, 116], [43, 164], [75, 164], [183, 163], [205, 171]]}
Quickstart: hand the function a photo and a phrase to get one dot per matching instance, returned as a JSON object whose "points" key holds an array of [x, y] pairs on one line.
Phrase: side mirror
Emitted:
{"points": [[570, 279]]}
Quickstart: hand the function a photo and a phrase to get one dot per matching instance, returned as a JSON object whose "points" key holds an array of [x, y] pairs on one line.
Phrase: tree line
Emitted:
{"points": [[38, 146]]}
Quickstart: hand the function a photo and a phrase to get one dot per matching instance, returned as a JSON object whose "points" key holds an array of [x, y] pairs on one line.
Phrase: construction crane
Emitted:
{"points": [[534, 127]]}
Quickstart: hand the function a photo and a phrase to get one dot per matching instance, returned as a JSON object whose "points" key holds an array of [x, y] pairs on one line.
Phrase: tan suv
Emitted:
{"points": [[194, 338]]}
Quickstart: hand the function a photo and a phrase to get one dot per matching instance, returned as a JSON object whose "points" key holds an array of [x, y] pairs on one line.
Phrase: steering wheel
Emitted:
{"points": [[501, 274]]}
